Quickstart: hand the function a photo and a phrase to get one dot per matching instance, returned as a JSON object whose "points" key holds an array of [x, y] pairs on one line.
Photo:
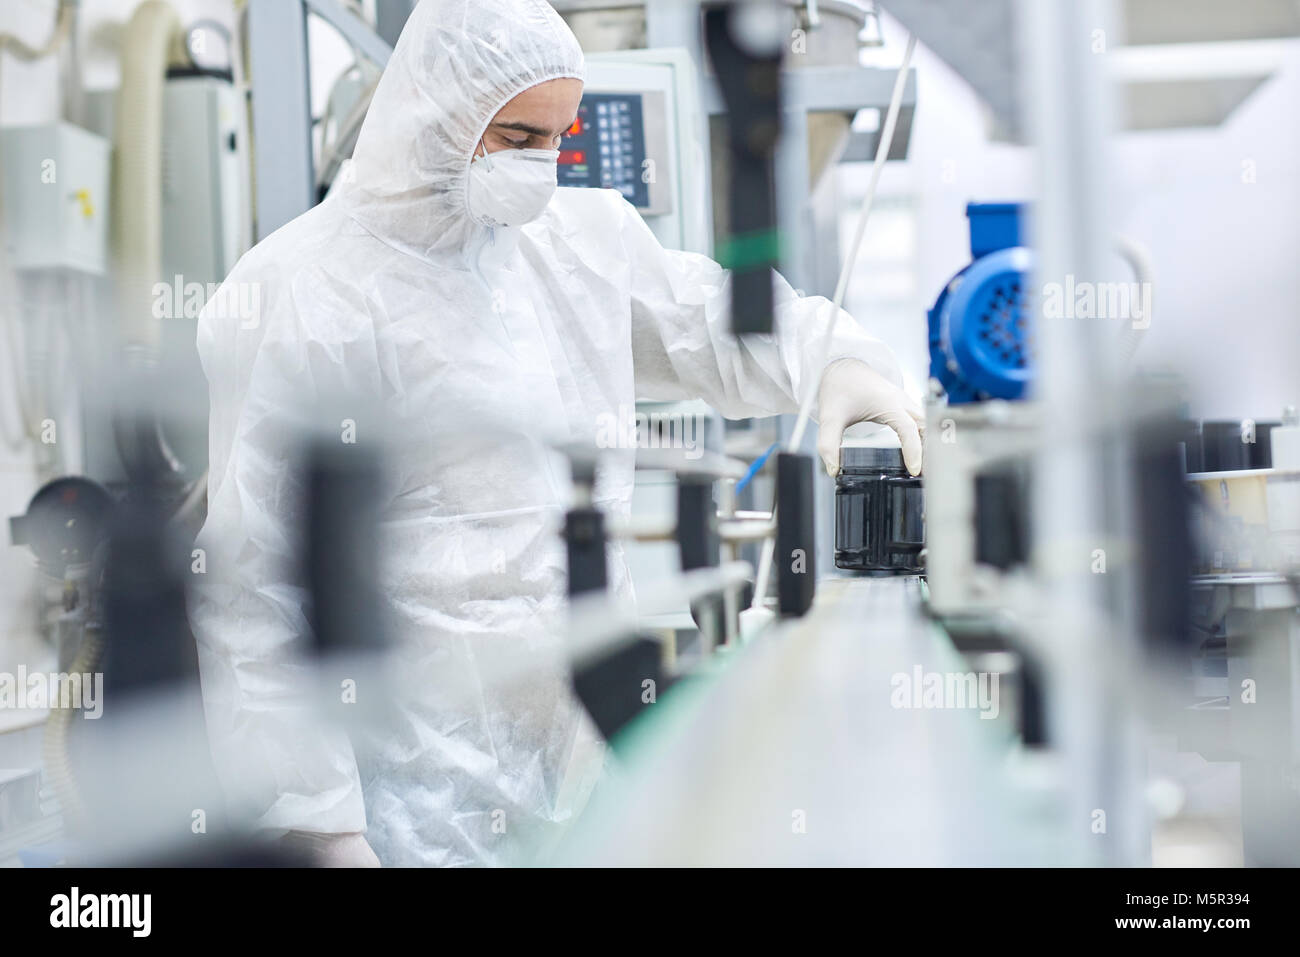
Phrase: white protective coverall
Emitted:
{"points": [[389, 291]]}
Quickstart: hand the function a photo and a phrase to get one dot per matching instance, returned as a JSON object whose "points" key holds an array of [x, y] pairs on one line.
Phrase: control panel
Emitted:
{"points": [[617, 143]]}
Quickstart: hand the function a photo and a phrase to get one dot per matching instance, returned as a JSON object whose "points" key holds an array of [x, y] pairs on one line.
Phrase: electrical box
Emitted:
{"points": [[204, 227], [55, 196]]}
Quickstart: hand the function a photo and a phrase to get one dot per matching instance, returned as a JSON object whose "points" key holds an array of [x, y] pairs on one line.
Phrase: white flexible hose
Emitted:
{"points": [[1139, 259], [15, 436], [197, 496], [765, 564], [147, 45], [65, 16], [805, 408]]}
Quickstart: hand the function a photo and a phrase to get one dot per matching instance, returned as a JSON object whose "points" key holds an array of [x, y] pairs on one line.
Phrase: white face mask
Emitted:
{"points": [[511, 187]]}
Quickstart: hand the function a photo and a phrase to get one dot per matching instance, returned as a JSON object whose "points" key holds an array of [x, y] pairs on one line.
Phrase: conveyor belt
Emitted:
{"points": [[795, 754]]}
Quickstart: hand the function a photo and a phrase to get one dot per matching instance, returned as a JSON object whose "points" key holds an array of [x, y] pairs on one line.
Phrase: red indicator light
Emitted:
{"points": [[575, 129], [573, 157]]}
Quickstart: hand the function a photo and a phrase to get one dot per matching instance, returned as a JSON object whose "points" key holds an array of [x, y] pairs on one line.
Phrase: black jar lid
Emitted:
{"points": [[859, 459]]}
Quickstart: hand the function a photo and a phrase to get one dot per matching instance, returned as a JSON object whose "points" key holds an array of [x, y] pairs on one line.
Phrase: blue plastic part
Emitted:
{"points": [[981, 344], [758, 464], [988, 316], [993, 226]]}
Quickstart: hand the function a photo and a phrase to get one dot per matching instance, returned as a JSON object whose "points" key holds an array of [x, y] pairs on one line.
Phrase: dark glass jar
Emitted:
{"points": [[879, 513]]}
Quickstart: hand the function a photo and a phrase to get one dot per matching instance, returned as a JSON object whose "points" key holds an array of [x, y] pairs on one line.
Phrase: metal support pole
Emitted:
{"points": [[391, 16], [356, 31], [281, 101], [1086, 631], [277, 46], [793, 202]]}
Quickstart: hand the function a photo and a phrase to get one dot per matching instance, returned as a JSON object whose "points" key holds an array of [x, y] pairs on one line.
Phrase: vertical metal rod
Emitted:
{"points": [[1087, 637], [391, 16], [730, 553], [284, 168], [793, 199]]}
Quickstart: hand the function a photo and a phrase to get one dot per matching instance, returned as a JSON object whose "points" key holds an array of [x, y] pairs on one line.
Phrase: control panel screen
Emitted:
{"points": [[606, 146]]}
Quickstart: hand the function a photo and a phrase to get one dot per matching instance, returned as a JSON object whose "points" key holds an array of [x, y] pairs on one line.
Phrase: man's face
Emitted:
{"points": [[536, 118]]}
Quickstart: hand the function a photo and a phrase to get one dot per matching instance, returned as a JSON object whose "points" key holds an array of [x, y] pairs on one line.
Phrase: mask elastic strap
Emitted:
{"points": [[492, 233]]}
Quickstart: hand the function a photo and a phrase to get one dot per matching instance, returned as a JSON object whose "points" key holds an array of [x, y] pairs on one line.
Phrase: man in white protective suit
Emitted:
{"points": [[490, 316]]}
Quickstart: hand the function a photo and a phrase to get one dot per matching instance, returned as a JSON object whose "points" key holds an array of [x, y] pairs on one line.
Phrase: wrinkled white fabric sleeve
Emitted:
{"points": [[280, 764], [683, 347]]}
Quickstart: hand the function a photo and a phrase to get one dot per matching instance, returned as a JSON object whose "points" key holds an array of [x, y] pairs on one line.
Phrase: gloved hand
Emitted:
{"points": [[851, 392], [333, 850]]}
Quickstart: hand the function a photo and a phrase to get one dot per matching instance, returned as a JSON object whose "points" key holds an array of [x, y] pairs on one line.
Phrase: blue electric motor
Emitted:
{"points": [[981, 342]]}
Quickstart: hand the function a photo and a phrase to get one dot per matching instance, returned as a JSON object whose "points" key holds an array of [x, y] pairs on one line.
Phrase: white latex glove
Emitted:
{"points": [[852, 392], [333, 850]]}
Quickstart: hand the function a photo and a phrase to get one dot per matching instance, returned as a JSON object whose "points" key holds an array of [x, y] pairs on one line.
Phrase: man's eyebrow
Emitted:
{"points": [[525, 128]]}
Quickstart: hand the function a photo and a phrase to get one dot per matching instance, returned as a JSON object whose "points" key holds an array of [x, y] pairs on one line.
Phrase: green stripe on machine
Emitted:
{"points": [[747, 250]]}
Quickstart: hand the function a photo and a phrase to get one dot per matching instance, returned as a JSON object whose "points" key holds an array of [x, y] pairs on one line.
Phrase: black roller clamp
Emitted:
{"points": [[750, 83], [617, 687], [148, 644], [700, 547], [341, 556], [611, 686], [1002, 521], [796, 534], [697, 524], [584, 536]]}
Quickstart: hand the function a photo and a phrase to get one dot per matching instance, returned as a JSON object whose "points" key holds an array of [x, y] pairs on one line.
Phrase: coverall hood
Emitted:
{"points": [[457, 63]]}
